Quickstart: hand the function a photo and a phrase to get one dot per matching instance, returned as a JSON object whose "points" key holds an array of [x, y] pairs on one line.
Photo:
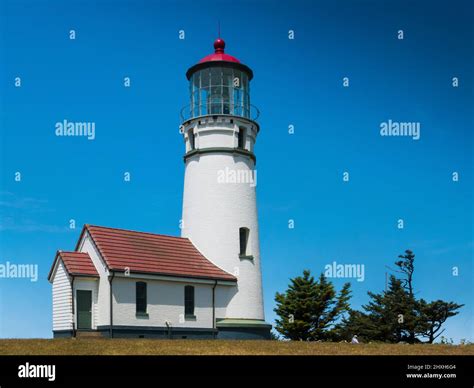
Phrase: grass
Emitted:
{"points": [[100, 346]]}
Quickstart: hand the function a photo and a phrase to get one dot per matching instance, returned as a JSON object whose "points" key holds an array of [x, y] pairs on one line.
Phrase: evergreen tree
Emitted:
{"points": [[391, 314], [309, 307], [353, 323], [395, 314], [387, 317], [434, 314]]}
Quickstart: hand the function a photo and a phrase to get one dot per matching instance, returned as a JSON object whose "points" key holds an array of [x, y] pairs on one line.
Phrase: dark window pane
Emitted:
{"points": [[188, 300], [244, 236], [241, 139], [141, 297], [191, 139]]}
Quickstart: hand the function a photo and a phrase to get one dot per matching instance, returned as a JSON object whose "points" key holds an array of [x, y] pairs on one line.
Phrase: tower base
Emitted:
{"points": [[243, 329]]}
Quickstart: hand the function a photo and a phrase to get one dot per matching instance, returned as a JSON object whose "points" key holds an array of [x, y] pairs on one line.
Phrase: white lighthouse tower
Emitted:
{"points": [[219, 202]]}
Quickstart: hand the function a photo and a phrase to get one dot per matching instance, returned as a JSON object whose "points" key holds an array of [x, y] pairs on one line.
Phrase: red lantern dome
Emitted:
{"points": [[219, 54], [219, 58]]}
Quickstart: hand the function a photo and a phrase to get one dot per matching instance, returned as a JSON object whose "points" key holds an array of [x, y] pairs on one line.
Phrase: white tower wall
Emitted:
{"points": [[219, 198]]}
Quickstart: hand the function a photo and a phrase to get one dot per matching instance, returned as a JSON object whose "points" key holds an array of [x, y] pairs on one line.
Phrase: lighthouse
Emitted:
{"points": [[219, 201], [205, 284]]}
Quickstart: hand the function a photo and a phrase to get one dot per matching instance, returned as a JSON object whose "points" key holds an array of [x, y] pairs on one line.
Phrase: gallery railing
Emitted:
{"points": [[250, 111]]}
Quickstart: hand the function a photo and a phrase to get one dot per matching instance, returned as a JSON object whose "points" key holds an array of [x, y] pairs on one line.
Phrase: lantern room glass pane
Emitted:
{"points": [[226, 103], [237, 102], [245, 82], [219, 90], [216, 76], [237, 80], [227, 77], [205, 78], [215, 100], [196, 103], [204, 95]]}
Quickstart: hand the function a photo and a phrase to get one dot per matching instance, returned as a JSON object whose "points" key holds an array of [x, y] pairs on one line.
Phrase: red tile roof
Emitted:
{"points": [[153, 253], [77, 264]]}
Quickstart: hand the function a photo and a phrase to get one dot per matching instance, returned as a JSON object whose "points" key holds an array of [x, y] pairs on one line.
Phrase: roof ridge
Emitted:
{"points": [[135, 231]]}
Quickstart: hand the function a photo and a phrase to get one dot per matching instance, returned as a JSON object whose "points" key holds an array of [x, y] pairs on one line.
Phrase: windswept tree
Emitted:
{"points": [[309, 308], [396, 314], [407, 268], [429, 316]]}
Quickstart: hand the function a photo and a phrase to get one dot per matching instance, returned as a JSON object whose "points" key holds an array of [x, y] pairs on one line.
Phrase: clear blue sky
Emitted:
{"points": [[296, 82]]}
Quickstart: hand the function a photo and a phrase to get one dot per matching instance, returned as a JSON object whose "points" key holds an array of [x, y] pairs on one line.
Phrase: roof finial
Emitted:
{"points": [[219, 46]]}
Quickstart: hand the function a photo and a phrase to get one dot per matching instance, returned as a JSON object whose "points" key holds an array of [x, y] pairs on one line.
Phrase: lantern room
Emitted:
{"points": [[219, 85]]}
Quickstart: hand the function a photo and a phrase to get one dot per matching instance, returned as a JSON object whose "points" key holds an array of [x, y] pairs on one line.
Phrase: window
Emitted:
{"points": [[244, 238], [141, 297], [189, 301], [191, 139], [241, 142]]}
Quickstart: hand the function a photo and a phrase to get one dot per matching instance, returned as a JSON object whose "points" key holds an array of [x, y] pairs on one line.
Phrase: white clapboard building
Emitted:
{"points": [[204, 284]]}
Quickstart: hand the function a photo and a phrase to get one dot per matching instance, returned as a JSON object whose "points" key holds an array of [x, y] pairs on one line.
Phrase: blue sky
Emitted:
{"points": [[296, 82]]}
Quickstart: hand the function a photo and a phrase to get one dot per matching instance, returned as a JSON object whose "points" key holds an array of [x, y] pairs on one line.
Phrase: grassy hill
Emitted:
{"points": [[100, 346]]}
